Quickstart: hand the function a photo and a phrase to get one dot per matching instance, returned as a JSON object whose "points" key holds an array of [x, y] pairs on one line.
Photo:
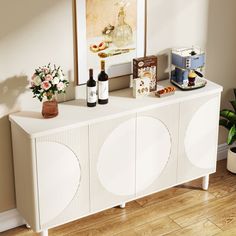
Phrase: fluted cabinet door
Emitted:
{"points": [[198, 137], [112, 162], [156, 149], [63, 176]]}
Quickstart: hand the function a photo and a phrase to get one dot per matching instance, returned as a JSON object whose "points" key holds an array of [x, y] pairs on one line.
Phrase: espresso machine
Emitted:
{"points": [[186, 68]]}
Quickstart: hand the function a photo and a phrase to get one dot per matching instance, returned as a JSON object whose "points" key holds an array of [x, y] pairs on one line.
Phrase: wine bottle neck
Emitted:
{"points": [[102, 65], [91, 74]]}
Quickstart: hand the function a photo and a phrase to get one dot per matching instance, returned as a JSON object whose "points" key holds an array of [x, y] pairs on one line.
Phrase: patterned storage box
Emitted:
{"points": [[141, 87]]}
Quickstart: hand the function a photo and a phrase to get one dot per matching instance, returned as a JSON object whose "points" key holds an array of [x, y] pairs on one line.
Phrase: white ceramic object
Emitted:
{"points": [[231, 161]]}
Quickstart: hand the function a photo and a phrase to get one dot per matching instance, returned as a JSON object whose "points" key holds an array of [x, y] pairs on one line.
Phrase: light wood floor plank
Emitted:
{"points": [[19, 231], [230, 232], [162, 196], [226, 219], [147, 214], [120, 224], [202, 228], [158, 227], [99, 219], [220, 190], [203, 210]]}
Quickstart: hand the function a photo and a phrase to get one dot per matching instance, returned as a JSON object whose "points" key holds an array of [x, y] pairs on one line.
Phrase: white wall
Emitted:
{"points": [[221, 50], [32, 33], [209, 24], [175, 23]]}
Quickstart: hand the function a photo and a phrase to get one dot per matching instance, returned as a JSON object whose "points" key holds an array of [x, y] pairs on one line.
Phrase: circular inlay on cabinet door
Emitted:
{"points": [[58, 178], [153, 151], [200, 135], [116, 160]]}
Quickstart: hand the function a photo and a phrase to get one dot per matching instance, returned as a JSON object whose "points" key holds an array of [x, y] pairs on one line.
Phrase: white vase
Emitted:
{"points": [[231, 160]]}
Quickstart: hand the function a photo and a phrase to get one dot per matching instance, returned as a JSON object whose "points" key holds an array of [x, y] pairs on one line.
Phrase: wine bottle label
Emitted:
{"points": [[103, 89], [91, 94]]}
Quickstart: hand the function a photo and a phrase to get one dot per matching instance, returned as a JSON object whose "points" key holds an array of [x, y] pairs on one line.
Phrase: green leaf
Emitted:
{"points": [[225, 123], [229, 115], [232, 141], [232, 135], [233, 103]]}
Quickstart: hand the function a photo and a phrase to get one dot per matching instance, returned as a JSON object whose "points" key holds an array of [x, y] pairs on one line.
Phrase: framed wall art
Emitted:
{"points": [[110, 30]]}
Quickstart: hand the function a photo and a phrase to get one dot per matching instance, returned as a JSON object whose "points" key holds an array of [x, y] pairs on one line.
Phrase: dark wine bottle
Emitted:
{"points": [[91, 90], [103, 85]]}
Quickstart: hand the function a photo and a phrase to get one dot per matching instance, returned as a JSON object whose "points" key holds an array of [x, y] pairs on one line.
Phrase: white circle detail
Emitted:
{"points": [[58, 178], [116, 161], [153, 151], [200, 136]]}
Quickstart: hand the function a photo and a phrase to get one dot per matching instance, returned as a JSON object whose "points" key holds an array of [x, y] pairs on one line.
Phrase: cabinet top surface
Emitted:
{"points": [[75, 113]]}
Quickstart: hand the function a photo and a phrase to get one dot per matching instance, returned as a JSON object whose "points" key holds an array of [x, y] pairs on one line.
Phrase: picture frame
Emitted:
{"points": [[116, 66]]}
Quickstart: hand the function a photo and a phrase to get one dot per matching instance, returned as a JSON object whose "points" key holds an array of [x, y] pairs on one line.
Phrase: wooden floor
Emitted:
{"points": [[184, 210]]}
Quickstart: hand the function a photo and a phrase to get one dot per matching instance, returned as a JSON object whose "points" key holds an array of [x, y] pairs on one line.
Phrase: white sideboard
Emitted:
{"points": [[90, 159]]}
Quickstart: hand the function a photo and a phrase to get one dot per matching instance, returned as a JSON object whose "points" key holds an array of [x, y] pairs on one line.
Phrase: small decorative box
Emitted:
{"points": [[146, 67], [141, 87]]}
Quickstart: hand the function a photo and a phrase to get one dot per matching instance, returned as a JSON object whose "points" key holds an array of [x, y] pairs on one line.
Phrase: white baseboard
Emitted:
{"points": [[10, 219], [222, 151]]}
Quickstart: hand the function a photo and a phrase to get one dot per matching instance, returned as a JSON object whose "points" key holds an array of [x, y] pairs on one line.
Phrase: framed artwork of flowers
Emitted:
{"points": [[110, 30]]}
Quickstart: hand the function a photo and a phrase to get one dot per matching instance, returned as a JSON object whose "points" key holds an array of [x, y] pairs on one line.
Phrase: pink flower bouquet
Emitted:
{"points": [[47, 82]]}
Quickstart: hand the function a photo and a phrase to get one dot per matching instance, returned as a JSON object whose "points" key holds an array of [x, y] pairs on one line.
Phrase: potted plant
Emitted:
{"points": [[46, 83], [228, 120]]}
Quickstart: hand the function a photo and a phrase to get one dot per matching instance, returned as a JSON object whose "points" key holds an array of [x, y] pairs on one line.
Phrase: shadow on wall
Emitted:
{"points": [[163, 66], [7, 196], [70, 90], [10, 90]]}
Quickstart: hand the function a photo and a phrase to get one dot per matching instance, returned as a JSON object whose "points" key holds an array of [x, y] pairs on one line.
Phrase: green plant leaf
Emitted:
{"points": [[229, 115], [233, 103], [231, 135], [225, 123]]}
